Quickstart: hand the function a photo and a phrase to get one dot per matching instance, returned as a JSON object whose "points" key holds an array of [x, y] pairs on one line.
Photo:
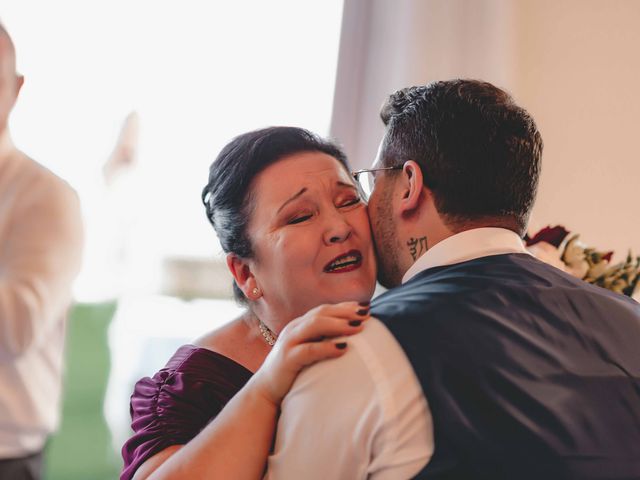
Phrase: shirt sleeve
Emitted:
{"points": [[360, 416], [40, 256]]}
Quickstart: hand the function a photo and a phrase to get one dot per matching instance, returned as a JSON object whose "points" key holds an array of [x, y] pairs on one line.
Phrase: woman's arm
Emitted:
{"points": [[237, 442], [234, 445]]}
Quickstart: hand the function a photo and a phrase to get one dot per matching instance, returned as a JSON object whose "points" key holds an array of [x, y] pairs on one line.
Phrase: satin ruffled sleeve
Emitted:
{"points": [[180, 400]]}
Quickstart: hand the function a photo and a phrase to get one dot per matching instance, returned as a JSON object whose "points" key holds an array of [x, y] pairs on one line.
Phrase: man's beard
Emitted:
{"points": [[386, 242]]}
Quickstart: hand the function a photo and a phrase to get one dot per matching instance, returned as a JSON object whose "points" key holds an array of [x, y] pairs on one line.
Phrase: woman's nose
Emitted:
{"points": [[338, 230]]}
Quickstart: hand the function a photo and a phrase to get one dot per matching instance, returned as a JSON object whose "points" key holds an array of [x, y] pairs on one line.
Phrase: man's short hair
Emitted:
{"points": [[479, 152]]}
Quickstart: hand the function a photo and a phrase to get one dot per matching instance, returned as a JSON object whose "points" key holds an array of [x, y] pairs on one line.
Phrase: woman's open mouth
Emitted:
{"points": [[344, 263]]}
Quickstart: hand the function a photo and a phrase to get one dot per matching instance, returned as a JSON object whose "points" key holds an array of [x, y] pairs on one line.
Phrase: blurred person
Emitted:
{"points": [[526, 372], [40, 252], [111, 210], [125, 152], [298, 243]]}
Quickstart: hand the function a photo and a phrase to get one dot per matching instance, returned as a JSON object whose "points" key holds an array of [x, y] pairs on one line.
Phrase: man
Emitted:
{"points": [[528, 372], [40, 251]]}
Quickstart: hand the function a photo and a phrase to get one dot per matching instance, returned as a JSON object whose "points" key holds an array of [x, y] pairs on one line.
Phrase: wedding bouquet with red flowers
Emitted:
{"points": [[556, 246]]}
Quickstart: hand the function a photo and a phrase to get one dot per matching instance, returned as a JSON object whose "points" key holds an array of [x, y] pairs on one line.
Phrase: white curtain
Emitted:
{"points": [[390, 45]]}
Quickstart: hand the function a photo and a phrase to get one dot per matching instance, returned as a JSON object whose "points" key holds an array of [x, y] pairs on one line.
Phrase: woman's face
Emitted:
{"points": [[310, 235]]}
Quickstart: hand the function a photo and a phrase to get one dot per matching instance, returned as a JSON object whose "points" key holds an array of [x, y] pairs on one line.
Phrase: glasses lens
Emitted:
{"points": [[364, 184], [367, 183]]}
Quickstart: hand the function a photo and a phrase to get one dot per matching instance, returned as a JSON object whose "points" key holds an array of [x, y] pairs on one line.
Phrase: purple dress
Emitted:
{"points": [[178, 402]]}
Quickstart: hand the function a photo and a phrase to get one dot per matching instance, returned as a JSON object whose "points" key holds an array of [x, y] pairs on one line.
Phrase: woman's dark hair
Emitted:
{"points": [[227, 195], [479, 152]]}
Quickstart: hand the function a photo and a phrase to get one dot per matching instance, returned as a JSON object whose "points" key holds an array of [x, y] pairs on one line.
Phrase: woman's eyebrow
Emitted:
{"points": [[292, 199]]}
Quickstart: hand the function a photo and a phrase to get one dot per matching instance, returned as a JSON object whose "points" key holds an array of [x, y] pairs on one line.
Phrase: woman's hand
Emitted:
{"points": [[220, 449], [306, 340]]}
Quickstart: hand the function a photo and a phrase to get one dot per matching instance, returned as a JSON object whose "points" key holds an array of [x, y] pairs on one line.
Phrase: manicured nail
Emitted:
{"points": [[364, 304], [363, 311], [355, 323], [341, 345]]}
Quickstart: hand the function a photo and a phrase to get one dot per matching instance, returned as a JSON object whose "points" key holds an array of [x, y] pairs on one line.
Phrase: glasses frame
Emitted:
{"points": [[356, 175]]}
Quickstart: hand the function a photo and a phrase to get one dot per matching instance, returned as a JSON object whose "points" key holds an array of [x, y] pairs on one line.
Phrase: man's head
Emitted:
{"points": [[10, 81], [470, 157]]}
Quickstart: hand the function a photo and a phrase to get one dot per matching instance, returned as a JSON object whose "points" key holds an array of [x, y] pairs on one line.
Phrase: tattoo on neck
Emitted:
{"points": [[417, 246]]}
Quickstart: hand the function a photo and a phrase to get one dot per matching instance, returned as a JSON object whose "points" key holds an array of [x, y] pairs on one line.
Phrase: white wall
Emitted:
{"points": [[574, 64], [578, 73]]}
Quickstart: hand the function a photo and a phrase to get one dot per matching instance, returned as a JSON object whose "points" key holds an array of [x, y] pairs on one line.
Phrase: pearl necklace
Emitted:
{"points": [[267, 334]]}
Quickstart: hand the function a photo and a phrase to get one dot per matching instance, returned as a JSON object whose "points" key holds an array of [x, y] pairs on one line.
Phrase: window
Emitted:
{"points": [[196, 73]]}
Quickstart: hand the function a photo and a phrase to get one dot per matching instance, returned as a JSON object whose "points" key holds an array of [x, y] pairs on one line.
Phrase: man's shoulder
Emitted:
{"points": [[373, 364], [459, 286], [33, 172], [51, 180], [40, 198], [370, 402], [422, 295]]}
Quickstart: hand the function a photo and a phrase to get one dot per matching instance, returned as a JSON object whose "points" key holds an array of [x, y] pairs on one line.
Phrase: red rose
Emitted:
{"points": [[554, 236]]}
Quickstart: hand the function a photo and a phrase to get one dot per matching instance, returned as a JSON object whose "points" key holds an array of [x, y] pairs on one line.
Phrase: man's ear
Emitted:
{"points": [[412, 185], [19, 83], [241, 271]]}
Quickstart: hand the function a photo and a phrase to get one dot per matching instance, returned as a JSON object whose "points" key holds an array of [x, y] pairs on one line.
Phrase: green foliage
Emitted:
{"points": [[81, 449]]}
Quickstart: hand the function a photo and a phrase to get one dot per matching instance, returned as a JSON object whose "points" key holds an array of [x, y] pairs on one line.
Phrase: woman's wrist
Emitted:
{"points": [[259, 389]]}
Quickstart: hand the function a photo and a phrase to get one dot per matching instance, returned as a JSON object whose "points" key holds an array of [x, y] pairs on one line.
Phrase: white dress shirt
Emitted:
{"points": [[364, 415], [40, 252]]}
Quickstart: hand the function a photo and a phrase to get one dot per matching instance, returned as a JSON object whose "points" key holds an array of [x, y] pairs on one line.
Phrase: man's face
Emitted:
{"points": [[384, 225], [9, 81]]}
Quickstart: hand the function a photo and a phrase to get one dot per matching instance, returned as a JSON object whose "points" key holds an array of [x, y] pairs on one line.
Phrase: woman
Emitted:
{"points": [[297, 236]]}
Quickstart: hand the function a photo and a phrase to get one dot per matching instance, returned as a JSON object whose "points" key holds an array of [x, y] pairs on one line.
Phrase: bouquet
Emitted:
{"points": [[556, 246]]}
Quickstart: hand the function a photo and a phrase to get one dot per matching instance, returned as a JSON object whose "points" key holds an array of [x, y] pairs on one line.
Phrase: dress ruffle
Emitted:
{"points": [[173, 406]]}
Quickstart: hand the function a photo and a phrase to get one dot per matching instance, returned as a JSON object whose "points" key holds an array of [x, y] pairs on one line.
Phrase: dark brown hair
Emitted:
{"points": [[479, 152]]}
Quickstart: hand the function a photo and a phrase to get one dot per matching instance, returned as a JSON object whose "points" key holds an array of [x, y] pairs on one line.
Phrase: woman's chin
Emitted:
{"points": [[351, 293]]}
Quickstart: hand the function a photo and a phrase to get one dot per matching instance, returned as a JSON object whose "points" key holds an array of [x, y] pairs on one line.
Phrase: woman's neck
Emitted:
{"points": [[240, 340], [274, 318]]}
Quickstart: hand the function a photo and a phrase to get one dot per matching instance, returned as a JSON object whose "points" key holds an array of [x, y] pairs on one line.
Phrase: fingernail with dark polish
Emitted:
{"points": [[341, 345], [363, 311], [364, 304], [355, 323]]}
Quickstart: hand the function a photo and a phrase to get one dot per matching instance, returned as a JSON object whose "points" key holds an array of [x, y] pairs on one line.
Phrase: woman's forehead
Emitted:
{"points": [[306, 169]]}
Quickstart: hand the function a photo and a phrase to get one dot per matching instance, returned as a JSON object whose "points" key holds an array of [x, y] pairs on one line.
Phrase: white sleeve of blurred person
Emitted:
{"points": [[40, 254]]}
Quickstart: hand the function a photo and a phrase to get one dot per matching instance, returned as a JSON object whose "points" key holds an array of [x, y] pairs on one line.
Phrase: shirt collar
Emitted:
{"points": [[465, 246]]}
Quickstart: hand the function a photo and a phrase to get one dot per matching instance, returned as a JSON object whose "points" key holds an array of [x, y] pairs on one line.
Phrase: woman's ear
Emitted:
{"points": [[242, 274], [413, 186]]}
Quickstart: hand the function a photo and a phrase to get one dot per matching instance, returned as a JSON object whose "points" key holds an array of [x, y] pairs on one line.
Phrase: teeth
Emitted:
{"points": [[343, 262], [351, 258]]}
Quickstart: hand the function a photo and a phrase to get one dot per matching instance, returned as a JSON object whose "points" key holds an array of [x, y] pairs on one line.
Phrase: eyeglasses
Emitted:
{"points": [[365, 179]]}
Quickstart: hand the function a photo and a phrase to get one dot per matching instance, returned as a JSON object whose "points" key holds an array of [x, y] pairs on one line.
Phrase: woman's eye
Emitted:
{"points": [[351, 201], [299, 219]]}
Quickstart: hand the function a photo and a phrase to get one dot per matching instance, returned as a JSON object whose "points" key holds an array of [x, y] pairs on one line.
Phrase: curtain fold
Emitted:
{"points": [[387, 45]]}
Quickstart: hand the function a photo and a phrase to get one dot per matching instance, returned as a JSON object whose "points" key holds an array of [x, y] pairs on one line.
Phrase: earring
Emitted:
{"points": [[255, 292]]}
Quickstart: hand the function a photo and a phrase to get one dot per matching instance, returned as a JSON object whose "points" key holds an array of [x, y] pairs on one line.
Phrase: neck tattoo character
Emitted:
{"points": [[417, 246]]}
